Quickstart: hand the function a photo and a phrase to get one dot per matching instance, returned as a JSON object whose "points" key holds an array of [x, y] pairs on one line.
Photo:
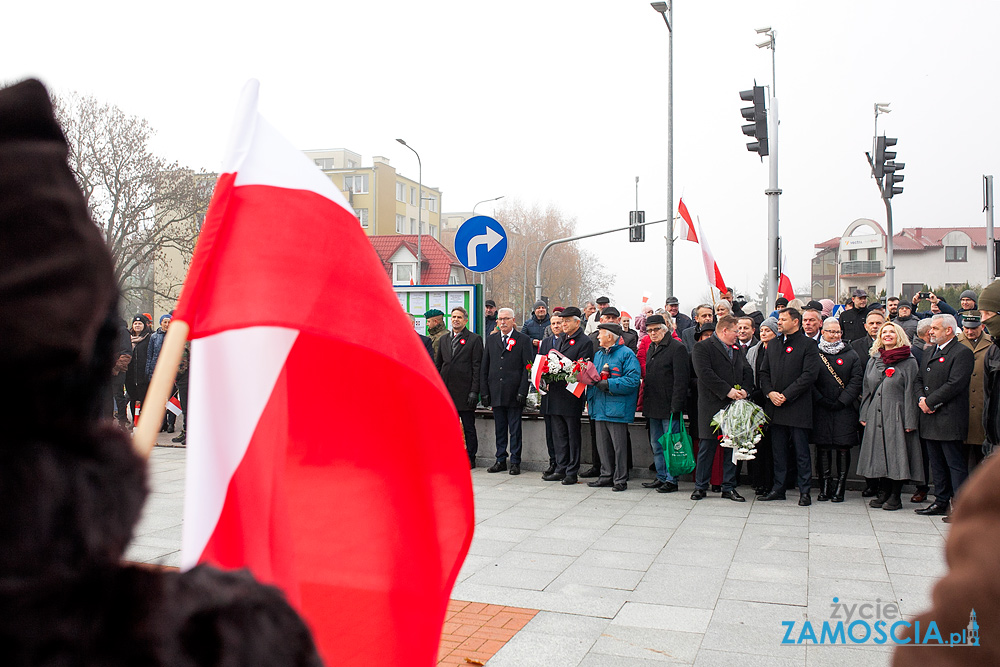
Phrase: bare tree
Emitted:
{"points": [[144, 204], [570, 275]]}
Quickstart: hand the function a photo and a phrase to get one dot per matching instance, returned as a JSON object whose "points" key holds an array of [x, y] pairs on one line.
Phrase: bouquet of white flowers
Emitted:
{"points": [[741, 424], [553, 367]]}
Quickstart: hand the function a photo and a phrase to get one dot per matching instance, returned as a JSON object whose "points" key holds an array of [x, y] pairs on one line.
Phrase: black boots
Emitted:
{"points": [[823, 465], [843, 464], [893, 502], [884, 491]]}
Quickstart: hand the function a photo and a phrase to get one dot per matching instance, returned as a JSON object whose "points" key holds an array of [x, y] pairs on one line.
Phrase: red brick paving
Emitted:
{"points": [[473, 632]]}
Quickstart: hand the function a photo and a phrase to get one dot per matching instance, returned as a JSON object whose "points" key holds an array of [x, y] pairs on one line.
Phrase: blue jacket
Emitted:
{"points": [[618, 405], [155, 345], [534, 328]]}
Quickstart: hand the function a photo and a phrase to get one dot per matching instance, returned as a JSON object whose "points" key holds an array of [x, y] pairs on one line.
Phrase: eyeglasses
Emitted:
{"points": [[835, 333], [656, 329], [504, 319]]}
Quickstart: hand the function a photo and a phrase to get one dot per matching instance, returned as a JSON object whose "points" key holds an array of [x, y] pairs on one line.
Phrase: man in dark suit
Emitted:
{"points": [[459, 358], [504, 384], [563, 409], [863, 345], [703, 314], [944, 410], [425, 340], [549, 343], [787, 376], [721, 367], [746, 332]]}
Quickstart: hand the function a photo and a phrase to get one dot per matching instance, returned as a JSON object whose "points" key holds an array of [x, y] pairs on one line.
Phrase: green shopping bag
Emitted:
{"points": [[677, 449]]}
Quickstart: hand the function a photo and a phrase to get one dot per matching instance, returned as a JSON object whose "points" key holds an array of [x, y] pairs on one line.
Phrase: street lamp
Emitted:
{"points": [[484, 201], [667, 12], [420, 196]]}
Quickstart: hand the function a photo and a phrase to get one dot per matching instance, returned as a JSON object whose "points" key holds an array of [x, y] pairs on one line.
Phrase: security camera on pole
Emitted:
{"points": [[766, 145]]}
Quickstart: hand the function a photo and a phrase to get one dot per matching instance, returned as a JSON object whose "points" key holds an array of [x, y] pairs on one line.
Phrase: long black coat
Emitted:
{"points": [[835, 410], [863, 347], [944, 382], [459, 359], [790, 367], [717, 374], [668, 372], [504, 374], [558, 401], [852, 323]]}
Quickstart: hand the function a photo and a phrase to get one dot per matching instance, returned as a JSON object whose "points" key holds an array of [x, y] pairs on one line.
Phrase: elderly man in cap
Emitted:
{"points": [[612, 403], [562, 408], [681, 321], [436, 330], [593, 320], [664, 393], [490, 308], [975, 338]]}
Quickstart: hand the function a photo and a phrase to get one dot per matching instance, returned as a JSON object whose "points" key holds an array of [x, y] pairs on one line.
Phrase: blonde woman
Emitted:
{"points": [[890, 447]]}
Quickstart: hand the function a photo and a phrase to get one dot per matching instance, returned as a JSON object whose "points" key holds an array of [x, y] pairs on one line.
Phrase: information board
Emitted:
{"points": [[418, 299]]}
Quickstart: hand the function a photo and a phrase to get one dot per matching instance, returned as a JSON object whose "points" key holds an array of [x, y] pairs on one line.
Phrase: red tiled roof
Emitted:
{"points": [[921, 238], [436, 264]]}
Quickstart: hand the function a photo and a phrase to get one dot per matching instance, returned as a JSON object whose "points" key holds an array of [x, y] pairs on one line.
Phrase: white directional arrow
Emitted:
{"points": [[489, 239]]}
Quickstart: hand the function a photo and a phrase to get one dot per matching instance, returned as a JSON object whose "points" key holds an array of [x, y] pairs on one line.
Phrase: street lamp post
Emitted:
{"points": [[666, 10], [420, 202]]}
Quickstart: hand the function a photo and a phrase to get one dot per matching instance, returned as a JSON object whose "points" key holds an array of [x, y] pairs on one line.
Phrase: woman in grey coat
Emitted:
{"points": [[890, 447]]}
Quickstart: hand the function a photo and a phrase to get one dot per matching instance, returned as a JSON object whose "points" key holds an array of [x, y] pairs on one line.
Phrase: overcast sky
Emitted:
{"points": [[564, 103]]}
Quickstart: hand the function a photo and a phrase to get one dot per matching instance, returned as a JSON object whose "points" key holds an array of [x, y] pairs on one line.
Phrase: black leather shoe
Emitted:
{"points": [[698, 494], [553, 477], [170, 428], [934, 509], [619, 487], [946, 518], [499, 466], [472, 465], [179, 438], [570, 480], [597, 484], [805, 500], [870, 491], [591, 472], [716, 488], [774, 495], [892, 503], [551, 469], [655, 484], [666, 487], [734, 495], [515, 469]]}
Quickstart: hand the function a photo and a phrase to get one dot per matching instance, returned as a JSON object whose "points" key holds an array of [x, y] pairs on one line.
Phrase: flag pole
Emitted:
{"points": [[160, 388]]}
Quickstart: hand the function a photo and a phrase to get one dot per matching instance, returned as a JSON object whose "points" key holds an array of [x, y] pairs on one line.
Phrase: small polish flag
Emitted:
{"points": [[537, 368], [576, 388], [174, 405]]}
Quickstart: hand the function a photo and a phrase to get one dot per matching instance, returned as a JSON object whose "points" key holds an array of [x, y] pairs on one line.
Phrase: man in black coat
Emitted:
{"points": [[664, 393], [863, 345], [703, 314], [504, 384], [852, 322], [424, 340], [681, 321], [459, 358], [564, 409], [787, 376], [720, 366], [945, 373], [549, 343]]}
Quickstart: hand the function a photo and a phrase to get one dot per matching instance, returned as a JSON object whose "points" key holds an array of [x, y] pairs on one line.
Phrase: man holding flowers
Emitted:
{"points": [[562, 408]]}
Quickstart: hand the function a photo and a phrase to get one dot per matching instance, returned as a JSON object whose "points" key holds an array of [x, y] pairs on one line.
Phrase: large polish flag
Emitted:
{"points": [[325, 458], [685, 227], [689, 231]]}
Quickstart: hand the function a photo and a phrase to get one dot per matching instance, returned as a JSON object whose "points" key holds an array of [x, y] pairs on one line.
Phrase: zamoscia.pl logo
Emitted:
{"points": [[875, 623]]}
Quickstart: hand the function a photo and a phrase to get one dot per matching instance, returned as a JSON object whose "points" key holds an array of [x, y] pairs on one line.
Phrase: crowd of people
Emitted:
{"points": [[881, 389]]}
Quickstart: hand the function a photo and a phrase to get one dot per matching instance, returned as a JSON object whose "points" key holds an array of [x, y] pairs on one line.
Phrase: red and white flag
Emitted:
{"points": [[685, 227], [174, 405], [785, 284], [711, 266], [301, 425], [537, 369]]}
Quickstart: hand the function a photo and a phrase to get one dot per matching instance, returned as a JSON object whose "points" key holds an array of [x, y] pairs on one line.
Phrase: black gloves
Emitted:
{"points": [[486, 400], [473, 399], [603, 386], [521, 400]]}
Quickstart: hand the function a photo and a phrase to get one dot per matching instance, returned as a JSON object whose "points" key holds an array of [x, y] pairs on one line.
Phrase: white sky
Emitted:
{"points": [[565, 103]]}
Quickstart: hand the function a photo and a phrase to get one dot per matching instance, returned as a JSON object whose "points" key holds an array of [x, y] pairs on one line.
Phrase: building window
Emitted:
{"points": [[852, 255], [413, 225], [325, 163], [413, 196], [356, 183], [871, 254], [434, 231], [351, 164], [400, 224], [400, 192], [956, 253], [404, 273], [430, 203], [362, 215], [909, 289]]}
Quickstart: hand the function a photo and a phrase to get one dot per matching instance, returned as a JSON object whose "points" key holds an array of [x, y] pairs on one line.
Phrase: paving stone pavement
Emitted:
{"points": [[642, 578]]}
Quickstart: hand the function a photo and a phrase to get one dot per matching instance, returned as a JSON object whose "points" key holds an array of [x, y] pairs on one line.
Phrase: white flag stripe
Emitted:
{"points": [[232, 376]]}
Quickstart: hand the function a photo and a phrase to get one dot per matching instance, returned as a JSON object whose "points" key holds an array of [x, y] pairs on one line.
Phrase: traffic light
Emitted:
{"points": [[636, 234], [892, 176], [881, 154], [757, 115]]}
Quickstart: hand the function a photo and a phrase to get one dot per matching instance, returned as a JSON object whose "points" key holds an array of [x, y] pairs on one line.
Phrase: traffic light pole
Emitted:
{"points": [[890, 267], [772, 192]]}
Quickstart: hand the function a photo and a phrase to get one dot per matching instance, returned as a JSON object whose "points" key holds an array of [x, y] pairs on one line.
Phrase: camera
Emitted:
{"points": [[924, 295]]}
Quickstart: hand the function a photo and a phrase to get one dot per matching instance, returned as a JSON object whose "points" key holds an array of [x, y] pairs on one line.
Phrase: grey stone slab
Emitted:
{"points": [[787, 593], [754, 556], [647, 644], [616, 559], [708, 657], [473, 564], [170, 533], [168, 544], [512, 519], [782, 518], [659, 521], [681, 585], [704, 551], [552, 545], [911, 582], [917, 567], [753, 627], [774, 543], [914, 539], [583, 521], [486, 547], [511, 577], [777, 529], [593, 659], [694, 529], [138, 553], [630, 544], [829, 569], [841, 539], [930, 553], [534, 561], [844, 554], [605, 577], [502, 533], [529, 649], [836, 656], [566, 625], [570, 532], [784, 573], [664, 617]]}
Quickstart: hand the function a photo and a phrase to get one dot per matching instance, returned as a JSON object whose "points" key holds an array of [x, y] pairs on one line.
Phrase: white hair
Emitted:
{"points": [[725, 304], [923, 326], [509, 311], [947, 320]]}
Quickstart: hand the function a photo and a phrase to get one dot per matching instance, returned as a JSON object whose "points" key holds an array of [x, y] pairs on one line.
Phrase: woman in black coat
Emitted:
{"points": [[835, 409], [135, 376]]}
